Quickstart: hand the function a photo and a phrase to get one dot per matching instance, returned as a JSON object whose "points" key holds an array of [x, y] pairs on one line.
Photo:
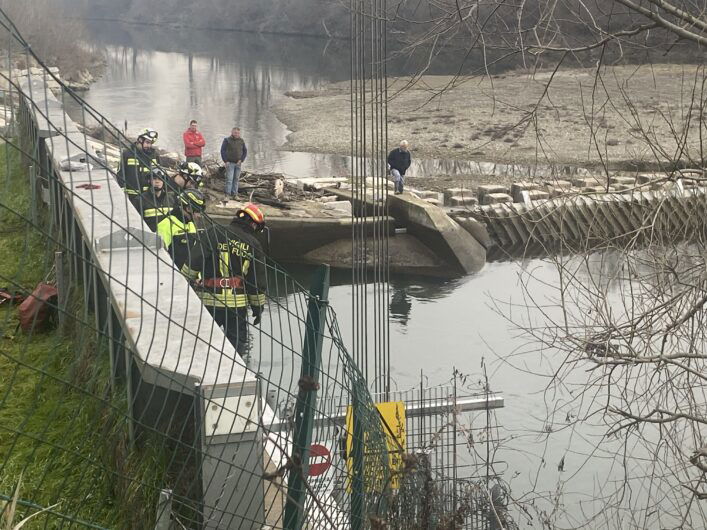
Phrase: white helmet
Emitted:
{"points": [[148, 134]]}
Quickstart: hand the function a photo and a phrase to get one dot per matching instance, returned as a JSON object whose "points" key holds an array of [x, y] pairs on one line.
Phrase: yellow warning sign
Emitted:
{"points": [[392, 418]]}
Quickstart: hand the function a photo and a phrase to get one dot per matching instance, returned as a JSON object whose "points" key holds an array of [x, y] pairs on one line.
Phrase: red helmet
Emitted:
{"points": [[252, 214]]}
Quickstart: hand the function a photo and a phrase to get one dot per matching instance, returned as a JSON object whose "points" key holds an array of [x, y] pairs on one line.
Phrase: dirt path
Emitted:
{"points": [[628, 117]]}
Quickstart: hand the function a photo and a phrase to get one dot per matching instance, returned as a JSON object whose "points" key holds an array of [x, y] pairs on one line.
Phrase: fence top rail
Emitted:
{"points": [[174, 339]]}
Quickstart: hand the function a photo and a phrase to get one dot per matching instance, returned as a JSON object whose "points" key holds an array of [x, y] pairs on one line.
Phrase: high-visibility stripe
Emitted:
{"points": [[170, 227], [224, 269], [256, 299], [132, 162], [132, 192], [155, 212], [225, 299]]}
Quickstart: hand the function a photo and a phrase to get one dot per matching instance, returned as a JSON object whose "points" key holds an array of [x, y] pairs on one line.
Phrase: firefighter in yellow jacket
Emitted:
{"points": [[227, 266], [178, 229]]}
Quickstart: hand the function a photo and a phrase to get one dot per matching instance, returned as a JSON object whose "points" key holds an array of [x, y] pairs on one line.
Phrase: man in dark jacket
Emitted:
{"points": [[399, 162], [136, 164], [233, 153], [156, 203], [227, 266]]}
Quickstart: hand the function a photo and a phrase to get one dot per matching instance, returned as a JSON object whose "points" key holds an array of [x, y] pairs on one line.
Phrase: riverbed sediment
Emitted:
{"points": [[627, 117]]}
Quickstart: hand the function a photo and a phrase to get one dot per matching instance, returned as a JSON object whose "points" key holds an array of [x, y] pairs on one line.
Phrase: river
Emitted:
{"points": [[162, 78]]}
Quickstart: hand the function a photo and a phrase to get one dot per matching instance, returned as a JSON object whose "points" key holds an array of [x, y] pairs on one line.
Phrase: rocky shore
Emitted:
{"points": [[629, 117]]}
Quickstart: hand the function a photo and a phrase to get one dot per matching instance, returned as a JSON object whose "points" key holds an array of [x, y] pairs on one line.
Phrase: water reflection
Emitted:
{"points": [[161, 80]]}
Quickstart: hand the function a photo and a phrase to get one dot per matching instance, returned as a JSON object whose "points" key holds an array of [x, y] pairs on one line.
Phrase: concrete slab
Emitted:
{"points": [[624, 181], [467, 201], [477, 229], [486, 189], [587, 182], [537, 195], [434, 228], [517, 188], [496, 198], [456, 192]]}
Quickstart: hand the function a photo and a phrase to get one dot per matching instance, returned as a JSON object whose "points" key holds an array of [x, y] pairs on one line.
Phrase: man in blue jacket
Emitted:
{"points": [[233, 153], [399, 162]]}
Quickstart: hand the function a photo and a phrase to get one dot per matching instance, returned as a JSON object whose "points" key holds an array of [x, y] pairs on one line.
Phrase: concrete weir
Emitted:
{"points": [[442, 234], [583, 222]]}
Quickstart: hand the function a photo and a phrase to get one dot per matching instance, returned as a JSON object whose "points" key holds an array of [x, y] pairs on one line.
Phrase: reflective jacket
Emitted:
{"points": [[135, 167], [178, 236], [155, 207], [231, 265]]}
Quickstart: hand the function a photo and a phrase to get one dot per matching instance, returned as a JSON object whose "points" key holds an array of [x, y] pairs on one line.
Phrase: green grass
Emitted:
{"points": [[60, 427]]}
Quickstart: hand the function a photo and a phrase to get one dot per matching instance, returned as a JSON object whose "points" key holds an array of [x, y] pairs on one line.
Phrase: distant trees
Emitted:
{"points": [[53, 36]]}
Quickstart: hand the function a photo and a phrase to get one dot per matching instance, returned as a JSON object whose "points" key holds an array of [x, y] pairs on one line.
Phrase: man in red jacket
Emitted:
{"points": [[193, 142]]}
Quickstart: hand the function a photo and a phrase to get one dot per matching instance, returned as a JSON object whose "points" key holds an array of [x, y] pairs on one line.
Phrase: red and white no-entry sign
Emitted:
{"points": [[319, 460]]}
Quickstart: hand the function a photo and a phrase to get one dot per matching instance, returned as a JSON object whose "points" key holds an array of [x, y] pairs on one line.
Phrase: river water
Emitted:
{"points": [[162, 78]]}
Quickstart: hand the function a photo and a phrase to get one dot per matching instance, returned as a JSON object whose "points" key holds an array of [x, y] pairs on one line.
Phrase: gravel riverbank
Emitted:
{"points": [[628, 117]]}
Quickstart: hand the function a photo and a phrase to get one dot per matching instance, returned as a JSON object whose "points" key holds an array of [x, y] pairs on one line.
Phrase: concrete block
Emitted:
{"points": [[496, 198], [455, 192], [587, 182], [328, 198], [339, 206], [436, 202], [476, 229], [485, 189], [598, 189], [622, 187], [432, 195], [624, 181], [557, 183], [646, 178], [517, 188], [373, 182], [537, 195], [435, 228], [463, 201]]}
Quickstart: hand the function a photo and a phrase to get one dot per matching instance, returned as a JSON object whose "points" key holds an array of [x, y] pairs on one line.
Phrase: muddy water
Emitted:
{"points": [[162, 79]]}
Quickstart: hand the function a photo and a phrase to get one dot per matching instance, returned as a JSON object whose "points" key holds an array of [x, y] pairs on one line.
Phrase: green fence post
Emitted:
{"points": [[358, 450], [307, 398]]}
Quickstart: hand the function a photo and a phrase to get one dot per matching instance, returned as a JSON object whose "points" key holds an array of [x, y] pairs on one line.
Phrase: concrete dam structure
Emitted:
{"points": [[581, 222]]}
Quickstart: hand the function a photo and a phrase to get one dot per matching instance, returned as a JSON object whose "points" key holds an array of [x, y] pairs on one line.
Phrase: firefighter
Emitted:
{"points": [[156, 203], [190, 176], [136, 163], [178, 229], [228, 270]]}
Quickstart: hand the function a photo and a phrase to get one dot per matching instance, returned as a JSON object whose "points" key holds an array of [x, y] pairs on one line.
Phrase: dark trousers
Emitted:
{"points": [[234, 321], [196, 159]]}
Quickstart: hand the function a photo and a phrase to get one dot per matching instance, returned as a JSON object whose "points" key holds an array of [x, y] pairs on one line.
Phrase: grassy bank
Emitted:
{"points": [[61, 430]]}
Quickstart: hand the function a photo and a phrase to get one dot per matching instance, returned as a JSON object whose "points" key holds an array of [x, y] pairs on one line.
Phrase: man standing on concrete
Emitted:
{"points": [[233, 153], [399, 162], [193, 143]]}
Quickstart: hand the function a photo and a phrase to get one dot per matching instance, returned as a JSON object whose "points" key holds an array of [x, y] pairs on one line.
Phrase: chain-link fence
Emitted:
{"points": [[137, 389]]}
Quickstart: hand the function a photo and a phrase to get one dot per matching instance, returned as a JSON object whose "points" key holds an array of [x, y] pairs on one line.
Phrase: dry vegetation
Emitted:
{"points": [[54, 38]]}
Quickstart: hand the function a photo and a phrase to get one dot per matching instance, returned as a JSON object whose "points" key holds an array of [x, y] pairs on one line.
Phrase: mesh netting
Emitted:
{"points": [[124, 403]]}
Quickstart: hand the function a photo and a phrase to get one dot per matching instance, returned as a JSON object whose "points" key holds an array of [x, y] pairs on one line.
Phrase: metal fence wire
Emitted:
{"points": [[123, 403]]}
